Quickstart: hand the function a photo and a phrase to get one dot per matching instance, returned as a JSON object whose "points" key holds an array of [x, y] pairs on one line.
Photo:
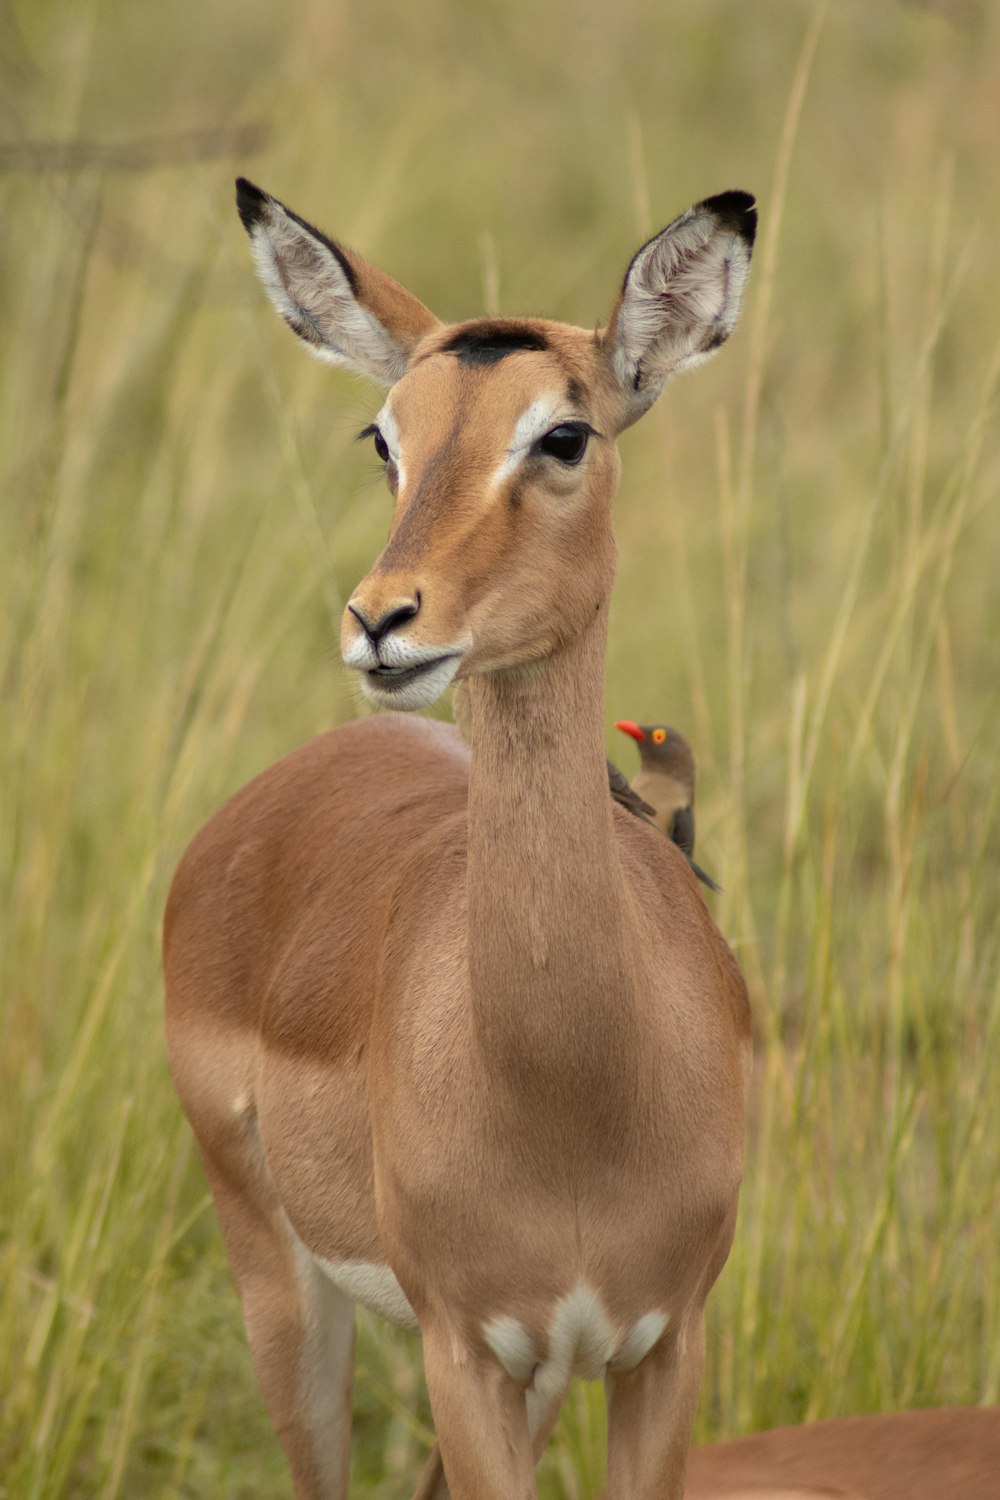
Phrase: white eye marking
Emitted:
{"points": [[532, 424], [386, 424]]}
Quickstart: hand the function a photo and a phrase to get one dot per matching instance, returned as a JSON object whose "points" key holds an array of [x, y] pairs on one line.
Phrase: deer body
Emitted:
{"points": [[458, 1037], [937, 1453]]}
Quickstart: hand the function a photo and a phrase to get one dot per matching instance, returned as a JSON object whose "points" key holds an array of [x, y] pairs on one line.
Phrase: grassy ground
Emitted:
{"points": [[809, 534]]}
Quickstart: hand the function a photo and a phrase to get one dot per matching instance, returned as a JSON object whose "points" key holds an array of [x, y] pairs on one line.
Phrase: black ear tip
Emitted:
{"points": [[737, 210], [250, 202]]}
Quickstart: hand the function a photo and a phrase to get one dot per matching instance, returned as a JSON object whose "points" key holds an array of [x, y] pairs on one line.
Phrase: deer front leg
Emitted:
{"points": [[481, 1422], [542, 1418], [301, 1333], [432, 1484], [651, 1412]]}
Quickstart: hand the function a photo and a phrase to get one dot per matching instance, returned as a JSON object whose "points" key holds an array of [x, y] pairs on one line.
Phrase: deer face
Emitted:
{"points": [[498, 444], [498, 438]]}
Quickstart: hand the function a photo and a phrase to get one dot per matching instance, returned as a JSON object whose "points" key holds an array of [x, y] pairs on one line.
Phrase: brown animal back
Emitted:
{"points": [[949, 1453]]}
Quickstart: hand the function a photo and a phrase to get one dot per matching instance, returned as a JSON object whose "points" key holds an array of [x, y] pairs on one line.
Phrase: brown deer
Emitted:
{"points": [[457, 1036], [944, 1453]]}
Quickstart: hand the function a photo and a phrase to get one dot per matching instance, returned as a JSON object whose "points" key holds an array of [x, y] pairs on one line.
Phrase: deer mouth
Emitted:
{"points": [[410, 674], [413, 686]]}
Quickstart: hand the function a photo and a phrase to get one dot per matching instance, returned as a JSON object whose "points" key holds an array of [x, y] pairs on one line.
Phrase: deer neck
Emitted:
{"points": [[549, 929]]}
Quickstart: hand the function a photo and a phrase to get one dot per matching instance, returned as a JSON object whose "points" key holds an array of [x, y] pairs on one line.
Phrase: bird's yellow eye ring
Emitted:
{"points": [[659, 735]]}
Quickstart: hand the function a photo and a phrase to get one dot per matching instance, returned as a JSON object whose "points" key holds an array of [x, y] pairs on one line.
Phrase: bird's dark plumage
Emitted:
{"points": [[623, 794]]}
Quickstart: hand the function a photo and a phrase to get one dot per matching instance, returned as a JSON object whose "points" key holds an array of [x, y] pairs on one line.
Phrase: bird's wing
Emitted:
{"points": [[623, 793], [704, 877], [682, 829]]}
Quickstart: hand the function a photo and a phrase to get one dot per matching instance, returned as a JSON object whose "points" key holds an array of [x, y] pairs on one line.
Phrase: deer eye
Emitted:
{"points": [[567, 442], [381, 446]]}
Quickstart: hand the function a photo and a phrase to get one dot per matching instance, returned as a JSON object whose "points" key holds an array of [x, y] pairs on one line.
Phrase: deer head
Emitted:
{"points": [[498, 437]]}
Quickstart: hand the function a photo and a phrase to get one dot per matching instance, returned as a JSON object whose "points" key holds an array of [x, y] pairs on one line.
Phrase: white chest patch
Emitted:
{"points": [[582, 1341], [374, 1286]]}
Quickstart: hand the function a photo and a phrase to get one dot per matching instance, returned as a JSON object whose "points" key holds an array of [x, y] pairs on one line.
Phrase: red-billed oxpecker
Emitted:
{"points": [[665, 783]]}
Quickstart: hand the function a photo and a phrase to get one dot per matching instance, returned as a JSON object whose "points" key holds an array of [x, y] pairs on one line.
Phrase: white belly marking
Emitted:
{"points": [[513, 1346], [581, 1341], [374, 1286], [640, 1338]]}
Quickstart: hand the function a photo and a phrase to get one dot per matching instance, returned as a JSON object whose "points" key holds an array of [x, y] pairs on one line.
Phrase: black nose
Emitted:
{"points": [[392, 618]]}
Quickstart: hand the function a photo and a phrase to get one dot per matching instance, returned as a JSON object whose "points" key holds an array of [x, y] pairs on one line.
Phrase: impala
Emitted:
{"points": [[942, 1453], [457, 1035]]}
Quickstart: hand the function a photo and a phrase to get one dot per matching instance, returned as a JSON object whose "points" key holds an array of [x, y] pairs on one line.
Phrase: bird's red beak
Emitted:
{"points": [[627, 727]]}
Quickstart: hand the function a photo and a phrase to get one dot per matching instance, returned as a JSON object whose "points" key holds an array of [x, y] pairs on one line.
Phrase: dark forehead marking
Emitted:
{"points": [[485, 343]]}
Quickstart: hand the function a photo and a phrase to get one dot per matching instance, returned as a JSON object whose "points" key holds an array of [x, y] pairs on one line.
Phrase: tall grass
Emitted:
{"points": [[809, 535]]}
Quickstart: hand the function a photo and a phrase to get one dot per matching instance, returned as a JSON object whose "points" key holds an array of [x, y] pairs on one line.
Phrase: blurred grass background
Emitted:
{"points": [[809, 537]]}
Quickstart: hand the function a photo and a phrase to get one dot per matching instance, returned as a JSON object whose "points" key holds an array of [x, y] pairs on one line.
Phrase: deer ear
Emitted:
{"points": [[346, 310], [681, 297]]}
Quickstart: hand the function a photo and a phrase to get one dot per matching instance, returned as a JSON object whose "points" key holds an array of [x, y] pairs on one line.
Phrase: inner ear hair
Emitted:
{"points": [[681, 296], [345, 309]]}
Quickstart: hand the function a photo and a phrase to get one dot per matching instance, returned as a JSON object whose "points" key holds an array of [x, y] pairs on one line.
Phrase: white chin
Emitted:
{"points": [[415, 688]]}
